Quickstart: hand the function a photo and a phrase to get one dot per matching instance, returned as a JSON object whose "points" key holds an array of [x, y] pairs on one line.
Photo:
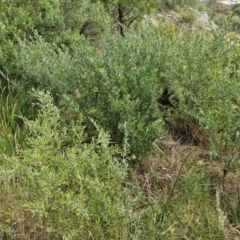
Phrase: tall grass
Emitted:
{"points": [[11, 136]]}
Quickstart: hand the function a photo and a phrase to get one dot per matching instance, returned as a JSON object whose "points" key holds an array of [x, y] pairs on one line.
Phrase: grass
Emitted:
{"points": [[188, 189], [10, 133]]}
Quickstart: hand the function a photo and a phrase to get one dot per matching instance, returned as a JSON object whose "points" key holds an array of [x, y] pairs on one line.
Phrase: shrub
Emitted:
{"points": [[205, 78], [236, 23], [220, 19], [117, 94], [118, 84], [112, 87], [236, 11], [188, 16], [53, 191]]}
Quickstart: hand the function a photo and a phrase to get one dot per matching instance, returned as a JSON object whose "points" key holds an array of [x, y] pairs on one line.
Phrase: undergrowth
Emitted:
{"points": [[128, 135]]}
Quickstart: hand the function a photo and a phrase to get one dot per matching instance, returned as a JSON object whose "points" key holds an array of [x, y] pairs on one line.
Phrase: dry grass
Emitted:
{"points": [[195, 212]]}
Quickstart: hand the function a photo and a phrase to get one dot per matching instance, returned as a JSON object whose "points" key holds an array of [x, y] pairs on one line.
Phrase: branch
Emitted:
{"points": [[121, 18]]}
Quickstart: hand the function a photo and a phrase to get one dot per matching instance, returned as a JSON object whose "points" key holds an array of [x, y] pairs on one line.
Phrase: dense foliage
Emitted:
{"points": [[89, 90]]}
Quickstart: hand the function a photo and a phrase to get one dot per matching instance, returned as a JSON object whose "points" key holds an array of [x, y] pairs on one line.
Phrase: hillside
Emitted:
{"points": [[119, 120]]}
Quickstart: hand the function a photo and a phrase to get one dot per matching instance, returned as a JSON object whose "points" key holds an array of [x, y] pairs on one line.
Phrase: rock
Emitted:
{"points": [[203, 20]]}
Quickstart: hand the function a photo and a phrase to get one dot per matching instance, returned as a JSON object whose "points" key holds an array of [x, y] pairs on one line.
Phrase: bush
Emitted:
{"points": [[112, 87], [53, 191], [118, 84], [188, 16], [204, 77], [220, 19], [117, 94], [236, 11], [236, 23]]}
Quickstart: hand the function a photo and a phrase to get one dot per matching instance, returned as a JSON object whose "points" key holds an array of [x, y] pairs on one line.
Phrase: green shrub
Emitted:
{"points": [[53, 191], [188, 16], [237, 11], [112, 87], [204, 76], [220, 19], [201, 7], [118, 84], [236, 23], [191, 3], [122, 92]]}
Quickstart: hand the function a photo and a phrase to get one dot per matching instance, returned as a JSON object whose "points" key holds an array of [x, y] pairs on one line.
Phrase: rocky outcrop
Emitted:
{"points": [[196, 18], [203, 20]]}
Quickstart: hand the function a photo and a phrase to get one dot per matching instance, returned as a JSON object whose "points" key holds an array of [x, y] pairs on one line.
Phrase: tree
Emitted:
{"points": [[125, 12]]}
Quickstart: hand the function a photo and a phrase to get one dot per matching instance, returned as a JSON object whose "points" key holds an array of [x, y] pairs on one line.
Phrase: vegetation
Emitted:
{"points": [[117, 125]]}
